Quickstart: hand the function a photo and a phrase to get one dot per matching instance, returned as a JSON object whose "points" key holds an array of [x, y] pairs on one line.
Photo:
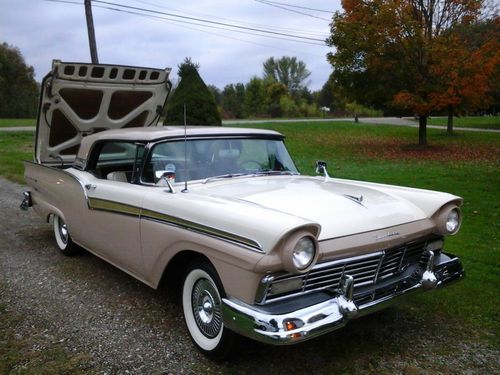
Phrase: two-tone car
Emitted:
{"points": [[255, 247]]}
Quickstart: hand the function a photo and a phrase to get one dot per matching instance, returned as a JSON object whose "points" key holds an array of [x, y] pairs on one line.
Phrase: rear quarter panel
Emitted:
{"points": [[56, 191]]}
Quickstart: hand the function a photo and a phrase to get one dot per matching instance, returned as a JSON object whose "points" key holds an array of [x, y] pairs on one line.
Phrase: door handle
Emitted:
{"points": [[90, 186]]}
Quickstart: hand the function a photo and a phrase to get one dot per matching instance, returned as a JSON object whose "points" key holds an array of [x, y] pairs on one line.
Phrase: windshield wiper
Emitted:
{"points": [[270, 173], [228, 175], [254, 173]]}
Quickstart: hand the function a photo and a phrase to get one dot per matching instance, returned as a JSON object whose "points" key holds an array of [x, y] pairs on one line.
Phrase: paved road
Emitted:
{"points": [[18, 129], [396, 121]]}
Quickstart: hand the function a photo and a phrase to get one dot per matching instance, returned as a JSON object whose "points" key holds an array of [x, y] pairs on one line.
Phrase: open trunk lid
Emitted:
{"points": [[78, 99]]}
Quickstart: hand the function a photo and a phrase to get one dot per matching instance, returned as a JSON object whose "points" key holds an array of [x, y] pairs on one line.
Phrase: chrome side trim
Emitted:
{"points": [[200, 228], [99, 204], [125, 209]]}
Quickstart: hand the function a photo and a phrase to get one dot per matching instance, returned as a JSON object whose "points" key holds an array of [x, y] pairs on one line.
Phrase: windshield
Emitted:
{"points": [[212, 158]]}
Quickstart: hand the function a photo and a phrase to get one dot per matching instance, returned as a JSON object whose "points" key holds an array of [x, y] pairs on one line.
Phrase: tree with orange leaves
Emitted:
{"points": [[413, 54]]}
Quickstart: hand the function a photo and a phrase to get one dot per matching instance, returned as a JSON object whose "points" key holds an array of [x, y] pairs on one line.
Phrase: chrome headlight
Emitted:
{"points": [[453, 221], [448, 220], [299, 252], [303, 253]]}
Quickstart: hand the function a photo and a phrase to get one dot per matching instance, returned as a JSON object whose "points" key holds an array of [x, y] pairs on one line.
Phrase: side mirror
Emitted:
{"points": [[165, 178], [170, 175], [321, 168]]}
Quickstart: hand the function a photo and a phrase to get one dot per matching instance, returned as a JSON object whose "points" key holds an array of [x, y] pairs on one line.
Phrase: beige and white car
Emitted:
{"points": [[256, 248]]}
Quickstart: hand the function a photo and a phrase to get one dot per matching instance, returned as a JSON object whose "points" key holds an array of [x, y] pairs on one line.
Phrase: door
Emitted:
{"points": [[114, 203]]}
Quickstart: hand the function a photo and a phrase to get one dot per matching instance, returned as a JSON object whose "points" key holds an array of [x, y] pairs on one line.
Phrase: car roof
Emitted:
{"points": [[151, 134]]}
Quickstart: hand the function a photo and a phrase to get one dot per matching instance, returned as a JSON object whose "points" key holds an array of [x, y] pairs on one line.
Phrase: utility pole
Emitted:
{"points": [[91, 32]]}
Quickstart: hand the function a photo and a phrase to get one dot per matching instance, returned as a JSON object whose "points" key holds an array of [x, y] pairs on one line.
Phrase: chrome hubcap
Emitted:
{"points": [[63, 231], [206, 308]]}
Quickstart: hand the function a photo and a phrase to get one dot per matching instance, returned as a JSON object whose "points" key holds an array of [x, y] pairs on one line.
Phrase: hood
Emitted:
{"points": [[79, 99], [340, 207]]}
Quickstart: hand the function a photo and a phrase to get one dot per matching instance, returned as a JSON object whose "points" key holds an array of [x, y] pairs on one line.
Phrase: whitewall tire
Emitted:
{"points": [[63, 239], [202, 295]]}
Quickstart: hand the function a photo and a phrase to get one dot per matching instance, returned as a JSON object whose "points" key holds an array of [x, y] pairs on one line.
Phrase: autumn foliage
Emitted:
{"points": [[421, 55]]}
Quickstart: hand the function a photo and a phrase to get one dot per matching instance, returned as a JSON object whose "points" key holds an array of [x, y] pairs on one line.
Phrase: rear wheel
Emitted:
{"points": [[63, 239], [202, 295]]}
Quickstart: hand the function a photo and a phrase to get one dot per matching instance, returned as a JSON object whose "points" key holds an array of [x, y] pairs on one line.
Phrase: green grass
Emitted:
{"points": [[484, 122], [14, 148], [14, 122]]}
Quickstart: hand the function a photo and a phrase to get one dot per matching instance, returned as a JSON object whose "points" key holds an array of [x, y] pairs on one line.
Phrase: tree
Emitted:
{"points": [[254, 97], [288, 71], [330, 95], [216, 93], [391, 52], [233, 97], [469, 75], [18, 89], [192, 92]]}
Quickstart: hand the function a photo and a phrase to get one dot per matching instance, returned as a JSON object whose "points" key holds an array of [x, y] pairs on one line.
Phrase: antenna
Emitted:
{"points": [[185, 190]]}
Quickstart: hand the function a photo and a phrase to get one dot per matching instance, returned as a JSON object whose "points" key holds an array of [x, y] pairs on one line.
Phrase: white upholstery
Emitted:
{"points": [[117, 176]]}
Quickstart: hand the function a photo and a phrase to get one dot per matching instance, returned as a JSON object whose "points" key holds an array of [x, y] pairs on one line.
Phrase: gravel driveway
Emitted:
{"points": [[90, 308]]}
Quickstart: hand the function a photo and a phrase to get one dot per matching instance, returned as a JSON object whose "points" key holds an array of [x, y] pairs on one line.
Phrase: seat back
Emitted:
{"points": [[117, 176]]}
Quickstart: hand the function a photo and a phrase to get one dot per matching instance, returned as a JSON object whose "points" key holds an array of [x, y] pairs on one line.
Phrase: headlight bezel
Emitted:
{"points": [[443, 217], [288, 250]]}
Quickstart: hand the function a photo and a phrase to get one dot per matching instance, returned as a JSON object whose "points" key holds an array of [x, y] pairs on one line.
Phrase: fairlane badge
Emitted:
{"points": [[388, 234]]}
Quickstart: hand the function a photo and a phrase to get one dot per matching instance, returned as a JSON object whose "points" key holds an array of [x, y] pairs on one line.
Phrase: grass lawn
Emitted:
{"points": [[484, 122], [465, 164], [14, 148], [12, 122]]}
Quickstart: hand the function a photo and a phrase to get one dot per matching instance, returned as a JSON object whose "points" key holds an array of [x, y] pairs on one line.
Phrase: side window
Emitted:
{"points": [[118, 161]]}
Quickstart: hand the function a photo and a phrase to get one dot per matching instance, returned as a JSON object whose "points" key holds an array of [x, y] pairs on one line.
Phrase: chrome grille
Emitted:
{"points": [[366, 270]]}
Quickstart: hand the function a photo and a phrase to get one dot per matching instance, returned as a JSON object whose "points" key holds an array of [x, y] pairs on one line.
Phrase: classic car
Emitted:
{"points": [[256, 248]]}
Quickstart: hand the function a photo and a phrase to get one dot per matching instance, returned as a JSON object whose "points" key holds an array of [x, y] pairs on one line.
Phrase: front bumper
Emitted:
{"points": [[320, 318]]}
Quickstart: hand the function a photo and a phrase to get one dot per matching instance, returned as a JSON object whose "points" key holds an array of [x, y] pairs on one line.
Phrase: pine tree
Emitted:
{"points": [[201, 108]]}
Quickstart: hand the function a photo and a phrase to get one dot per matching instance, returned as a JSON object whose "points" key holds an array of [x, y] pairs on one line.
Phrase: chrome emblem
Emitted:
{"points": [[388, 234]]}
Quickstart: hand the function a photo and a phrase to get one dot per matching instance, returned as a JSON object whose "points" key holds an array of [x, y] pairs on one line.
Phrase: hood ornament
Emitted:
{"points": [[358, 200]]}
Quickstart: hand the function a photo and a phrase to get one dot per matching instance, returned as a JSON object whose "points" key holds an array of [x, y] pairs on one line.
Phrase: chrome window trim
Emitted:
{"points": [[151, 144]]}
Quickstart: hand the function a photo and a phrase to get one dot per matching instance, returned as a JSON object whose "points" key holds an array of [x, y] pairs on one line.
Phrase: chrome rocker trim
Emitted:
{"points": [[309, 322]]}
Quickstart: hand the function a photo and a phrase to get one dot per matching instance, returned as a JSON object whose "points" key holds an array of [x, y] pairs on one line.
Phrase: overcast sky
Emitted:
{"points": [[48, 30]]}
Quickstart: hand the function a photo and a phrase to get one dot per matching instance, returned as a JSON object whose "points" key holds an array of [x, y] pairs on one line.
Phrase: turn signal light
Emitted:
{"points": [[290, 326]]}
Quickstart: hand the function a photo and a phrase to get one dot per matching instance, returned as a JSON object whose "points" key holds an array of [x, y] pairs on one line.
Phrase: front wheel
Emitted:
{"points": [[202, 294], [63, 239]]}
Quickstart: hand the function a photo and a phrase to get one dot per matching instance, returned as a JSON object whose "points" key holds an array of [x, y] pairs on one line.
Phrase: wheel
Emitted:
{"points": [[63, 239], [202, 295]]}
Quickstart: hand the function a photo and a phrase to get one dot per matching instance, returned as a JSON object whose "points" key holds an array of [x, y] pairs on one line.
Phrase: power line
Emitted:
{"points": [[291, 10], [161, 19], [272, 28], [208, 21], [168, 20], [273, 35], [300, 7]]}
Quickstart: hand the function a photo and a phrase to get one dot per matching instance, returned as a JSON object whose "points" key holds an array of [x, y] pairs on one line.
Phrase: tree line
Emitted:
{"points": [[390, 57], [18, 88], [420, 57]]}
